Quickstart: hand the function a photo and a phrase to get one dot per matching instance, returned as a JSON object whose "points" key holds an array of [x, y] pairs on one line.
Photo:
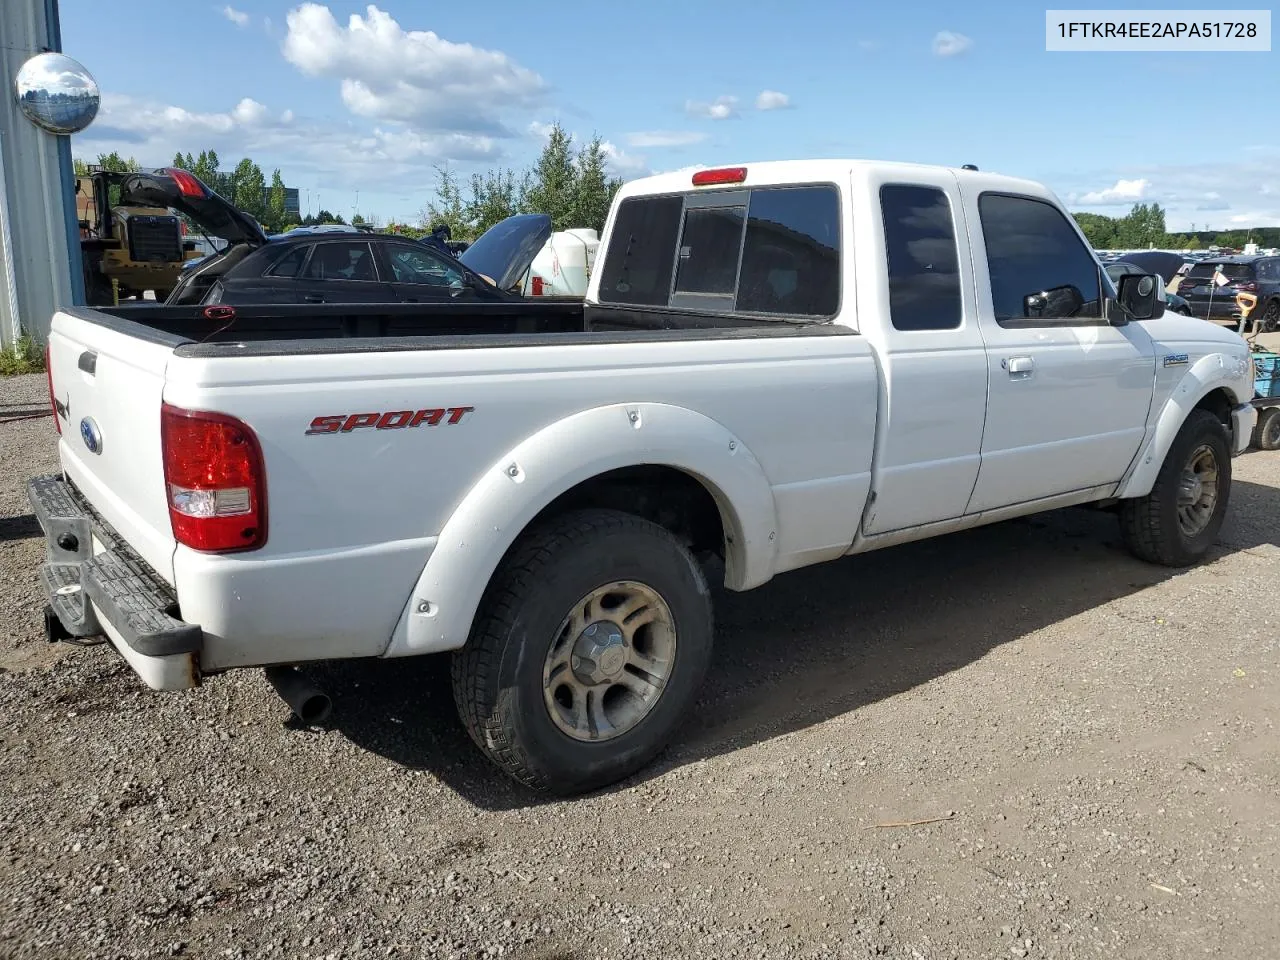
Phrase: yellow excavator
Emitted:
{"points": [[126, 250]]}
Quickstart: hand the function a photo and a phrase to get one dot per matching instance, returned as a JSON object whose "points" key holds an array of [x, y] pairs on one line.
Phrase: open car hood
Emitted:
{"points": [[505, 251], [178, 189]]}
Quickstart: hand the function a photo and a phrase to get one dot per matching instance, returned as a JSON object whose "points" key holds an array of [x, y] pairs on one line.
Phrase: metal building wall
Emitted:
{"points": [[40, 250]]}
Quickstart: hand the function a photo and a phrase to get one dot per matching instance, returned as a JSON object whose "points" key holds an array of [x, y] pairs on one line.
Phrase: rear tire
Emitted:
{"points": [[588, 651], [1271, 318], [1178, 521], [1266, 435]]}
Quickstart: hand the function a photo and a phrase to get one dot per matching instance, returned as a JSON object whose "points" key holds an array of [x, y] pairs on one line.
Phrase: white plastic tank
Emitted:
{"points": [[563, 266]]}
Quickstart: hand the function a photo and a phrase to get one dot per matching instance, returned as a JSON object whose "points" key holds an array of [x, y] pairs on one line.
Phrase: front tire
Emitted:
{"points": [[1178, 521], [588, 651]]}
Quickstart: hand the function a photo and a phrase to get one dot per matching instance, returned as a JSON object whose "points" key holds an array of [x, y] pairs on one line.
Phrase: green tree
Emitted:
{"points": [[249, 189], [593, 188], [553, 180], [1098, 229], [448, 207], [275, 206], [494, 197]]}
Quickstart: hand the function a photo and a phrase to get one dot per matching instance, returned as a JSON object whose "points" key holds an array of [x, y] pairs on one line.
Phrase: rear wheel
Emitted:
{"points": [[1266, 435], [589, 650], [1271, 318], [1178, 521]]}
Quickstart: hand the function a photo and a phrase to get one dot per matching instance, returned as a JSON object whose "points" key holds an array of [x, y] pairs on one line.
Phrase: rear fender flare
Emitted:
{"points": [[518, 486], [1211, 372]]}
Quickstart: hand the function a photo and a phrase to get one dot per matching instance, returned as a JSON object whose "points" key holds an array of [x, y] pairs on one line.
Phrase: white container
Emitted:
{"points": [[563, 266]]}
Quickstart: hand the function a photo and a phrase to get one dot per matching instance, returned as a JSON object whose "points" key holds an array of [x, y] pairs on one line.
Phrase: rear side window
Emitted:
{"points": [[290, 263], [342, 260], [1040, 269], [920, 240], [791, 254], [641, 253]]}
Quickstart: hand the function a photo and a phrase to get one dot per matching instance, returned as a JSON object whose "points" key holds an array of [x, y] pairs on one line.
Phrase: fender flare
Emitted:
{"points": [[519, 485], [1211, 372]]}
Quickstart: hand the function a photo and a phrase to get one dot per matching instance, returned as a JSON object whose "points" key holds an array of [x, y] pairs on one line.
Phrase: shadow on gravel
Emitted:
{"points": [[816, 643], [19, 528]]}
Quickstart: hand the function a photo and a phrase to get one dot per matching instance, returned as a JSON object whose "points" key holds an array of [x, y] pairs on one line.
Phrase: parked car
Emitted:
{"points": [[321, 265], [1121, 268], [776, 365], [1258, 275]]}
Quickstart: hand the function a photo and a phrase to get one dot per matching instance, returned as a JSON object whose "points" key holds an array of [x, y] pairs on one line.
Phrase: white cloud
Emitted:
{"points": [[322, 153], [664, 138], [623, 164], [722, 108], [1213, 196], [947, 43], [772, 100], [1123, 193], [249, 112], [541, 130], [411, 76], [238, 17]]}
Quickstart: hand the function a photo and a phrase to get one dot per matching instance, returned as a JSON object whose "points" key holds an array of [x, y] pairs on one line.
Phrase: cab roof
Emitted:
{"points": [[771, 172]]}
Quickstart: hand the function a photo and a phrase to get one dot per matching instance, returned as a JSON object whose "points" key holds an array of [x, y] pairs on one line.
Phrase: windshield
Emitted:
{"points": [[1232, 271]]}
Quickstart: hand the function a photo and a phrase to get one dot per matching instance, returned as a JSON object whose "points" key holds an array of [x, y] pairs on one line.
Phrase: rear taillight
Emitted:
{"points": [[214, 479], [48, 371]]}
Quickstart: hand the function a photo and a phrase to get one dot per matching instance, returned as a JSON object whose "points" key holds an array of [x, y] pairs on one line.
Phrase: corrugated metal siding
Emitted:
{"points": [[42, 249]]}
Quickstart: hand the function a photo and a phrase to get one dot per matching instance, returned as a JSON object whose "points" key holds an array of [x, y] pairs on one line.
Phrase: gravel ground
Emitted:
{"points": [[1095, 737]]}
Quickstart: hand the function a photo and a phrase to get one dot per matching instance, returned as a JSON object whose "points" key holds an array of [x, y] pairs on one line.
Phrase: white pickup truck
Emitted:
{"points": [[780, 364]]}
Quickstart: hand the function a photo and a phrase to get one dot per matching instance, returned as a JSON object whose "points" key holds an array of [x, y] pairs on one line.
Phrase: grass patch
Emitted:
{"points": [[27, 356]]}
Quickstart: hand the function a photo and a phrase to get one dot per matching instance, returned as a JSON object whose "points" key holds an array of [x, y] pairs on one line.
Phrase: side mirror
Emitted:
{"points": [[1056, 303], [1140, 296]]}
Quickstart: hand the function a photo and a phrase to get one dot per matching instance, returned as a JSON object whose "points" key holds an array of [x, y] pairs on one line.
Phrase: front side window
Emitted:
{"points": [[1041, 272], [920, 243], [412, 264], [342, 260]]}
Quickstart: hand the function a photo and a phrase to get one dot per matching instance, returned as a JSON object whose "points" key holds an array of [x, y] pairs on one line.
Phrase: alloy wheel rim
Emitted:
{"points": [[610, 661]]}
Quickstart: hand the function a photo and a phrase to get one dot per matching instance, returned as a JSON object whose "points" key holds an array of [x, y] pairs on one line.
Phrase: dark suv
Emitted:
{"points": [[1257, 275]]}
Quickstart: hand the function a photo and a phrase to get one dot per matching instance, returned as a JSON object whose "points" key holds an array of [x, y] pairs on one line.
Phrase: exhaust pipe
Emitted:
{"points": [[309, 704]]}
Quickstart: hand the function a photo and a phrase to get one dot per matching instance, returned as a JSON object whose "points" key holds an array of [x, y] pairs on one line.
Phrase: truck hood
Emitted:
{"points": [[178, 189], [505, 251]]}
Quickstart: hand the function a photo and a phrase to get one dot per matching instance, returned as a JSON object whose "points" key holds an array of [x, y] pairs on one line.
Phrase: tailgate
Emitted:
{"points": [[108, 385]]}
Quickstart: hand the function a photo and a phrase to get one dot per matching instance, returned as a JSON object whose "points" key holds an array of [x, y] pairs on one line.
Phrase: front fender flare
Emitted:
{"points": [[516, 487], [1211, 372]]}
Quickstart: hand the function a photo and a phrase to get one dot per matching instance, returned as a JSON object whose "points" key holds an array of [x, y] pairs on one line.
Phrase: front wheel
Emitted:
{"points": [[589, 650], [1178, 521], [1266, 435]]}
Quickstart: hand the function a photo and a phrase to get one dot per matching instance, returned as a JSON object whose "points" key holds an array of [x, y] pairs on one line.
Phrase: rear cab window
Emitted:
{"points": [[767, 251]]}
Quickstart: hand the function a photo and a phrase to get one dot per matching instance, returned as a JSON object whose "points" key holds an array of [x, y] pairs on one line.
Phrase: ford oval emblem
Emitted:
{"points": [[91, 435]]}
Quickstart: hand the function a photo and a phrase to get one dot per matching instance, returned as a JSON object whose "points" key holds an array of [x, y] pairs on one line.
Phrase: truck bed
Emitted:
{"points": [[273, 329], [329, 321]]}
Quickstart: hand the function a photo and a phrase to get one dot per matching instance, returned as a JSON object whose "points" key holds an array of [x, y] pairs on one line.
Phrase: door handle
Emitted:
{"points": [[313, 298], [1019, 366]]}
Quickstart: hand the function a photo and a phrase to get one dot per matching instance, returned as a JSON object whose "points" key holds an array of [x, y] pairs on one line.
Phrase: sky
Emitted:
{"points": [[356, 103]]}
